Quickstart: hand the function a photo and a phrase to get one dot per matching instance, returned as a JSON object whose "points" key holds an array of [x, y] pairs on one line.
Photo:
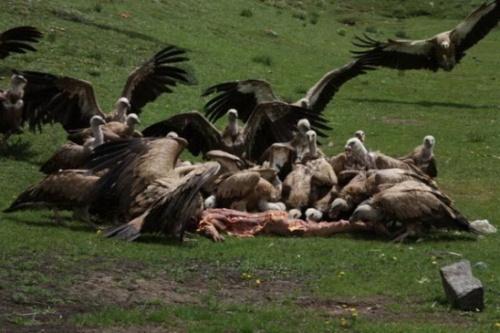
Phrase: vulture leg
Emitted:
{"points": [[409, 230], [59, 219], [82, 214]]}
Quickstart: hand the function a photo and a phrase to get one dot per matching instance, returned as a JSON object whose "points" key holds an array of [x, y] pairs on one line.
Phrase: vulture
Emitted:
{"points": [[245, 95], [360, 134], [111, 131], [62, 190], [72, 102], [372, 160], [415, 205], [133, 165], [269, 123], [248, 190], [11, 107], [16, 40], [423, 157], [73, 156], [172, 204], [442, 51]]}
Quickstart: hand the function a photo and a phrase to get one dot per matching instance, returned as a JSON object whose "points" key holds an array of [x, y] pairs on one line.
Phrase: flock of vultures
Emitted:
{"points": [[266, 176]]}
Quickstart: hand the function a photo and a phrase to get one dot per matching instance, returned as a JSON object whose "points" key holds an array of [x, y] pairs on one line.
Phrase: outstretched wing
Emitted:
{"points": [[201, 134], [272, 122], [16, 40], [398, 54], [323, 91], [50, 98], [155, 77], [475, 27], [240, 95]]}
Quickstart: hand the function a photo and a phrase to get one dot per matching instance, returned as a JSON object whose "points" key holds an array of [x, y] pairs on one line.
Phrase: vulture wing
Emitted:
{"points": [[323, 91], [398, 54], [240, 95], [475, 27], [201, 133], [16, 40], [51, 98], [155, 77], [272, 122]]}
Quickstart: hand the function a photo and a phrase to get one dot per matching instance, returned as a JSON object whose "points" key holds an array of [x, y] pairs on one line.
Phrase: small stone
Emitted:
{"points": [[483, 226], [462, 289]]}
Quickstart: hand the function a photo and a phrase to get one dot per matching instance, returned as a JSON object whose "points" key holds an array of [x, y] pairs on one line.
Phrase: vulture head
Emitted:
{"points": [[96, 121], [172, 135], [15, 93], [133, 119], [303, 126], [337, 206], [429, 142], [354, 147], [311, 141], [122, 106], [360, 135], [365, 212]]}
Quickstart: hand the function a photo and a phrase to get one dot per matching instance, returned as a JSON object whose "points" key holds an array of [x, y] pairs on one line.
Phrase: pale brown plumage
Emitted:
{"points": [[63, 190], [51, 98], [349, 196], [135, 164], [414, 204], [443, 50], [246, 190], [377, 180], [73, 156], [111, 131]]}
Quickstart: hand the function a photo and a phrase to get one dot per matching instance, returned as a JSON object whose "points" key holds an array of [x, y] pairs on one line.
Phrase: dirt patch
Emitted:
{"points": [[61, 295]]}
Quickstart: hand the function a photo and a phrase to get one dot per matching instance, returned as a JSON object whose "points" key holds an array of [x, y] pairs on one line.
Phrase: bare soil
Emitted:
{"points": [[127, 284]]}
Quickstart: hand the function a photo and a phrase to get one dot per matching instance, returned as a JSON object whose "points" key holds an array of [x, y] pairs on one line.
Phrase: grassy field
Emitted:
{"points": [[56, 279]]}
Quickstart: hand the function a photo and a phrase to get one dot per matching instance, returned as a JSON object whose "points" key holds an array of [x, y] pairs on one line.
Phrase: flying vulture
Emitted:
{"points": [[443, 50], [16, 40], [245, 95], [52, 98]]}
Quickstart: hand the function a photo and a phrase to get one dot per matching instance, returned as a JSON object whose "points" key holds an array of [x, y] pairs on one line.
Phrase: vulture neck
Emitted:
{"points": [[98, 136]]}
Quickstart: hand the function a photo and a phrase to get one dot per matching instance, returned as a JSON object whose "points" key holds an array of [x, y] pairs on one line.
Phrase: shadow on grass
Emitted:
{"points": [[49, 222], [424, 103], [77, 18], [17, 149]]}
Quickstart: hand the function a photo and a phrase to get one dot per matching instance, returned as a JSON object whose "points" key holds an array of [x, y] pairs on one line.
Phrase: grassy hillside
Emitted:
{"points": [[69, 279]]}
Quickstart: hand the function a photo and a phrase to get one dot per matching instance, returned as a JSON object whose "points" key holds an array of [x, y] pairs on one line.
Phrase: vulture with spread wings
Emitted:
{"points": [[245, 95], [443, 50], [270, 122], [51, 98], [16, 40]]}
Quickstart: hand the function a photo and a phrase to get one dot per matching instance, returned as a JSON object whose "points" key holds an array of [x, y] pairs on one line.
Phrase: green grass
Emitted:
{"points": [[71, 278]]}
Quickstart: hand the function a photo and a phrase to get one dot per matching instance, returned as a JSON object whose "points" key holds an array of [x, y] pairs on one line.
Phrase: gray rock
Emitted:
{"points": [[462, 289]]}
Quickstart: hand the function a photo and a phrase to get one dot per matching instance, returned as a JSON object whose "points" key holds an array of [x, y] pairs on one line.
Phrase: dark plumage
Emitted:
{"points": [[52, 98], [269, 123], [16, 40], [443, 50], [245, 95]]}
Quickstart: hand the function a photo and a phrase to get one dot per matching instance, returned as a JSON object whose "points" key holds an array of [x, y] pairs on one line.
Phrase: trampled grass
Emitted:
{"points": [[69, 279]]}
